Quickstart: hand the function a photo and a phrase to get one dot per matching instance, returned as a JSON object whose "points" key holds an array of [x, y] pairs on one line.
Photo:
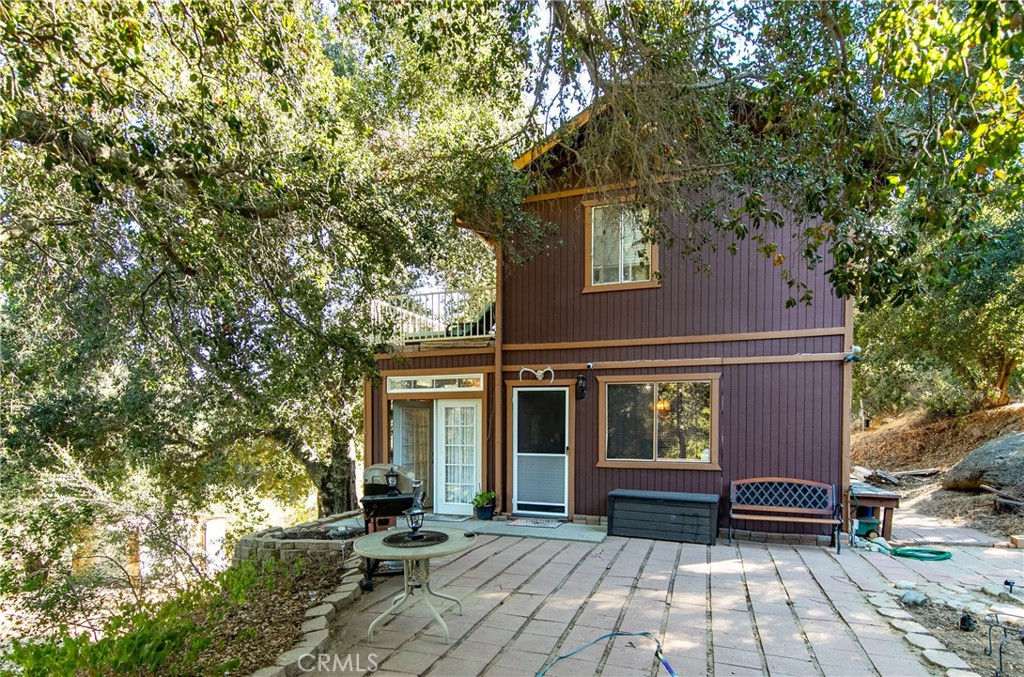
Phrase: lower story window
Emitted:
{"points": [[662, 420]]}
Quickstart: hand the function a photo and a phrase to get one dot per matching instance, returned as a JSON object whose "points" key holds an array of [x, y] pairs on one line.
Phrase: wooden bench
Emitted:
{"points": [[784, 499]]}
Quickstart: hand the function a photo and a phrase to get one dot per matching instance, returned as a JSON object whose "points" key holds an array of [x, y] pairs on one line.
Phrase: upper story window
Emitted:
{"points": [[620, 253]]}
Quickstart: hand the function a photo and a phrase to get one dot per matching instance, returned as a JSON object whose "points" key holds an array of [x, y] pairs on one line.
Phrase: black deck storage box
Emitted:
{"points": [[663, 516]]}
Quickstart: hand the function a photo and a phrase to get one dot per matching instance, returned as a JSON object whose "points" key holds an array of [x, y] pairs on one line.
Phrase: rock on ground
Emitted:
{"points": [[999, 463], [914, 598]]}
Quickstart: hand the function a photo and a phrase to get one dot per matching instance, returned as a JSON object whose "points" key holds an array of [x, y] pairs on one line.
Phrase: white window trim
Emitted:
{"points": [[434, 378]]}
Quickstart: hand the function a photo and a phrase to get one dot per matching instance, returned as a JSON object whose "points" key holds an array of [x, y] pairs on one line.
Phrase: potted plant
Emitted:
{"points": [[483, 505]]}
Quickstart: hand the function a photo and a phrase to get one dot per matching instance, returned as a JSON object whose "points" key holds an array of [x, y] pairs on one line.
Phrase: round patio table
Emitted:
{"points": [[416, 572]]}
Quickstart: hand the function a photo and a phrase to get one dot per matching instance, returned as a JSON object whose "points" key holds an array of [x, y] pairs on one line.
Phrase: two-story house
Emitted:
{"points": [[607, 362]]}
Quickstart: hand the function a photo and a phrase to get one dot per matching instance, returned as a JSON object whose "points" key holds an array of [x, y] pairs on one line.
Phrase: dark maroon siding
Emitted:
{"points": [[774, 419], [743, 293], [443, 362]]}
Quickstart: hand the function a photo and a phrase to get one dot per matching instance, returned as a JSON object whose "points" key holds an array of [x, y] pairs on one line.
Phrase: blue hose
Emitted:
{"points": [[657, 651]]}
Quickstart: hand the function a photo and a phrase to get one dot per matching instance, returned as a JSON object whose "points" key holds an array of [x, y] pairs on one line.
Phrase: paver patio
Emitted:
{"points": [[745, 609]]}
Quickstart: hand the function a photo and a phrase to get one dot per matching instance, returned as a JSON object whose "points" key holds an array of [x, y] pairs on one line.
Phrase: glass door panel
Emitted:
{"points": [[457, 455], [412, 439]]}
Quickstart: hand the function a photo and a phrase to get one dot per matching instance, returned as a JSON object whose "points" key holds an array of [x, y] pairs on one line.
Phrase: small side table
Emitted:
{"points": [[869, 496], [417, 568]]}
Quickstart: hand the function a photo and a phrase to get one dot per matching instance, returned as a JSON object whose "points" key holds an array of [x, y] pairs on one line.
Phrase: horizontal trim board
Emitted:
{"points": [[676, 340], [699, 362], [435, 371], [438, 395], [414, 354], [658, 465], [621, 286], [593, 190]]}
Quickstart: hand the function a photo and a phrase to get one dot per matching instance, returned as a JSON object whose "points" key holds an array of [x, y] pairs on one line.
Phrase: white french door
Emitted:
{"points": [[540, 444], [458, 427]]}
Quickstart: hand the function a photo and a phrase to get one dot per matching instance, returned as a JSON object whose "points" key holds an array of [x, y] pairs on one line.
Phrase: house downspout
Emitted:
{"points": [[499, 390]]}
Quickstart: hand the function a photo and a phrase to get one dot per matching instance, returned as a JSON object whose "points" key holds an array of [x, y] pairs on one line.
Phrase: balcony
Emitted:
{"points": [[440, 317]]}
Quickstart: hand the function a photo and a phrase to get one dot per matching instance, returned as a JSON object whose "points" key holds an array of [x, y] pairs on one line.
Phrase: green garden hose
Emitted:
{"points": [[923, 554]]}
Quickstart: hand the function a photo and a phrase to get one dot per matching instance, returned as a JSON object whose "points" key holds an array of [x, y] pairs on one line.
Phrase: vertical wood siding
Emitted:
{"points": [[775, 419], [742, 293]]}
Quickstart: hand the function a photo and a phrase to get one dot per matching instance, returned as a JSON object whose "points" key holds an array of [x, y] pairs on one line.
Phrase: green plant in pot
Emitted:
{"points": [[483, 505]]}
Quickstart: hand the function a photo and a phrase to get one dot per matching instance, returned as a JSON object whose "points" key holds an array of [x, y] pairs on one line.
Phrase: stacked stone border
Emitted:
{"points": [[316, 631], [272, 543], [974, 599], [592, 520], [789, 539]]}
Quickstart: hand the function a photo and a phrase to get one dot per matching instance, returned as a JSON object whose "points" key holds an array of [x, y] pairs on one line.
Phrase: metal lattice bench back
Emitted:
{"points": [[784, 499]]}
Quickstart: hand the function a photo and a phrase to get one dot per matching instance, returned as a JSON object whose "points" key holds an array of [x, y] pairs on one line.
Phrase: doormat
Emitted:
{"points": [[537, 524], [433, 517]]}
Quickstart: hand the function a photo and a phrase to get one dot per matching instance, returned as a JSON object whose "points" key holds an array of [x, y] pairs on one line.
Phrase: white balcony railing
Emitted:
{"points": [[459, 313]]}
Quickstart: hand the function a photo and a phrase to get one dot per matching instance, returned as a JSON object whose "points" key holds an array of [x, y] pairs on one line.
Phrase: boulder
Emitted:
{"points": [[999, 463]]}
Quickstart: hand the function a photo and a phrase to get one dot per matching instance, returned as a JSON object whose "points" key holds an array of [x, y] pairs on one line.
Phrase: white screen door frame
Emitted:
{"points": [[458, 455], [540, 481]]}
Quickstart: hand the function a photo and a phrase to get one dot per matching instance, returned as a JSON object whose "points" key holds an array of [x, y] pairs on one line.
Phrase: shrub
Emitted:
{"points": [[164, 639]]}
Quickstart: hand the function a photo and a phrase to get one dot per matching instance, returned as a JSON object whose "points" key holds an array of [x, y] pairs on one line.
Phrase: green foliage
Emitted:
{"points": [[199, 203], [959, 344], [483, 498], [889, 382], [167, 638]]}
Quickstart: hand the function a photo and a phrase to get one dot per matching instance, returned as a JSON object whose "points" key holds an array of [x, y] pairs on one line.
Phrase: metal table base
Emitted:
{"points": [[416, 575]]}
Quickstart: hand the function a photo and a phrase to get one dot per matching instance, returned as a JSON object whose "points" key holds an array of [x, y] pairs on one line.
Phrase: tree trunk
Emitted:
{"points": [[334, 480], [336, 485], [1001, 385]]}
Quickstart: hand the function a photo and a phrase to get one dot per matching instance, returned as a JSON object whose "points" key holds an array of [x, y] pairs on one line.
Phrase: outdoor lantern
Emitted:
{"points": [[414, 518], [663, 406], [391, 477], [581, 386]]}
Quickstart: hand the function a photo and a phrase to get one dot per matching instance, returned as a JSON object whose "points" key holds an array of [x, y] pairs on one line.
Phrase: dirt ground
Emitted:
{"points": [[913, 442], [266, 623], [944, 624]]}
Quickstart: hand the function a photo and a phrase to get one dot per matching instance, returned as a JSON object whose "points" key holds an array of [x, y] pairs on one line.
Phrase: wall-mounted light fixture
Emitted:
{"points": [[581, 386]]}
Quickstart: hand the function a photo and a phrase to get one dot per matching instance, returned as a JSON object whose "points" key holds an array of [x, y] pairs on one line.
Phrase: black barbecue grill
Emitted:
{"points": [[383, 502], [387, 491]]}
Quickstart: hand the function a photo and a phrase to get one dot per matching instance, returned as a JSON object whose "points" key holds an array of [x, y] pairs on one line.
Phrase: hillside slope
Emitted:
{"points": [[913, 442]]}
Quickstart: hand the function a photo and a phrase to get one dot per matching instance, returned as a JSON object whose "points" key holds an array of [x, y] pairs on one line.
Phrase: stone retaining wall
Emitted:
{"points": [[272, 544], [316, 629]]}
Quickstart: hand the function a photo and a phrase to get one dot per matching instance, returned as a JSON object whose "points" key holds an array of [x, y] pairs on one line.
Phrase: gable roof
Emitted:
{"points": [[563, 134]]}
